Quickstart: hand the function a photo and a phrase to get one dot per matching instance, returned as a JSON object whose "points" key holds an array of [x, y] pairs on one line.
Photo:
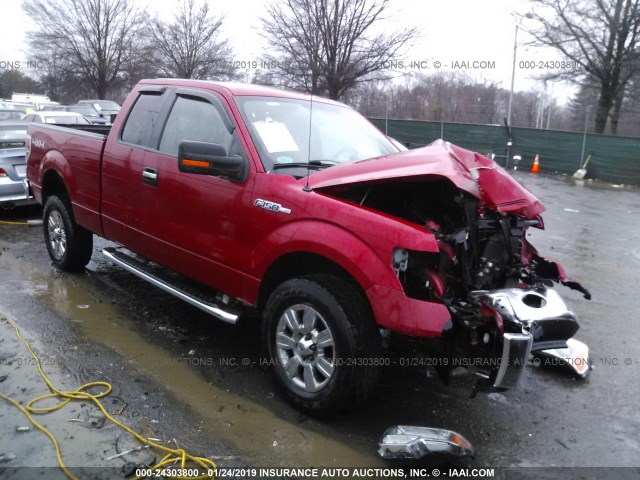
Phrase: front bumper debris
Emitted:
{"points": [[535, 320], [516, 348], [539, 311]]}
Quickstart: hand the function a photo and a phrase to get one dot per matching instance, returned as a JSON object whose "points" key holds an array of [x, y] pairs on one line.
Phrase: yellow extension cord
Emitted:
{"points": [[172, 456], [13, 223]]}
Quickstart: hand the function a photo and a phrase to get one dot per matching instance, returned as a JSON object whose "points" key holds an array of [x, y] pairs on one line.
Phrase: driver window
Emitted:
{"points": [[193, 119]]}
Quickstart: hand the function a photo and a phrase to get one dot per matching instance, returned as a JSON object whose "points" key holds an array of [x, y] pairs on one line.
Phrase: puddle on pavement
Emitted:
{"points": [[252, 428], [80, 429]]}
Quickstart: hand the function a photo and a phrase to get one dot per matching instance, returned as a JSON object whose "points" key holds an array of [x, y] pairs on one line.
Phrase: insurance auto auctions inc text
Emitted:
{"points": [[371, 473]]}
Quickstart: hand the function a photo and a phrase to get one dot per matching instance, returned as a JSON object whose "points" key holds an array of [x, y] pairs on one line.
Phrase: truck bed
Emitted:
{"points": [[76, 150], [98, 129]]}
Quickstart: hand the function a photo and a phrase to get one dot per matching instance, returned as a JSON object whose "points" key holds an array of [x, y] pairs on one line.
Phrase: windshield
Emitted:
{"points": [[284, 134]]}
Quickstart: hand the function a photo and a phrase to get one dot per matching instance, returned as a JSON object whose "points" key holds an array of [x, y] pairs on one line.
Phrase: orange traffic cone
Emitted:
{"points": [[535, 168]]}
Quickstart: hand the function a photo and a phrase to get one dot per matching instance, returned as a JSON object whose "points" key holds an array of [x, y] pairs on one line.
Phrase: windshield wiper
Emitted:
{"points": [[315, 164]]}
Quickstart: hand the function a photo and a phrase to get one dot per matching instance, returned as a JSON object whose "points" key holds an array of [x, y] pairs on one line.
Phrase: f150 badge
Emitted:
{"points": [[274, 207]]}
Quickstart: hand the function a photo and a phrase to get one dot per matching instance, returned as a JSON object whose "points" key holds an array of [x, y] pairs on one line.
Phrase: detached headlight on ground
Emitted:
{"points": [[407, 442], [575, 356]]}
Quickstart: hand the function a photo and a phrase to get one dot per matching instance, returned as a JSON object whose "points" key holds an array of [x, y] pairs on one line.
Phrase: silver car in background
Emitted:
{"points": [[14, 190], [56, 117]]}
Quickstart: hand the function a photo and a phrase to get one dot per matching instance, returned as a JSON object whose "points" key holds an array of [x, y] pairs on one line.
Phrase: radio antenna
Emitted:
{"points": [[306, 188]]}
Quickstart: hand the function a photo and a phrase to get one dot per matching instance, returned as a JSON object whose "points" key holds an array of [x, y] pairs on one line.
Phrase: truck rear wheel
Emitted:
{"points": [[69, 245], [322, 343]]}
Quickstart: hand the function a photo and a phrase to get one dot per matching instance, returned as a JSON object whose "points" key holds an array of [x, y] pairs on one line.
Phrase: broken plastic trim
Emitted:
{"points": [[408, 442]]}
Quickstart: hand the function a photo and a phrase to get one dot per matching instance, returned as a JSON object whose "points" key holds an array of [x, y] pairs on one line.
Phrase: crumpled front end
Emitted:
{"points": [[493, 282]]}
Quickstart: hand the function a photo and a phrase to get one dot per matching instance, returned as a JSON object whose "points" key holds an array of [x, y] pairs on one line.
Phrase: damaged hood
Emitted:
{"points": [[469, 171]]}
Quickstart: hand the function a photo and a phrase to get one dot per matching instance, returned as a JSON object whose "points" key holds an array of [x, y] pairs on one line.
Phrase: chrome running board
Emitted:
{"points": [[206, 304]]}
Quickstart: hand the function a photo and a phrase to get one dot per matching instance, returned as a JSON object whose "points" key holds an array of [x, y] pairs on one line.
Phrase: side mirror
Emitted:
{"points": [[211, 159]]}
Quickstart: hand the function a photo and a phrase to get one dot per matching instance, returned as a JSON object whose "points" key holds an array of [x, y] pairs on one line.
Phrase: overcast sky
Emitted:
{"points": [[453, 31]]}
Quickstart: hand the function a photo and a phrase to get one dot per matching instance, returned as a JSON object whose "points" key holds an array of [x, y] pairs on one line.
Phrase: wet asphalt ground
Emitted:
{"points": [[193, 382]]}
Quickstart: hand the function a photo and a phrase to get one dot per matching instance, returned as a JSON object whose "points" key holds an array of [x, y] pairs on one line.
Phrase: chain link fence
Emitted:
{"points": [[613, 159]]}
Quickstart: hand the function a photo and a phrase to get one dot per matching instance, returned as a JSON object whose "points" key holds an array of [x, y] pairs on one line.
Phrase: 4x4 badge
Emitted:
{"points": [[274, 207]]}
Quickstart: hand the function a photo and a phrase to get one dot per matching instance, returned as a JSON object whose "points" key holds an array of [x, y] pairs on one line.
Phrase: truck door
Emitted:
{"points": [[122, 165], [195, 224]]}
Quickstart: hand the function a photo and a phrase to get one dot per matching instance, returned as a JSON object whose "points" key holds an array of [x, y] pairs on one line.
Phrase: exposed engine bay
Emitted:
{"points": [[489, 276], [480, 249]]}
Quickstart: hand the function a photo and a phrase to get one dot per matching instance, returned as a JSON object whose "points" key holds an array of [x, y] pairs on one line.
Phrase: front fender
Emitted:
{"points": [[372, 269], [332, 242]]}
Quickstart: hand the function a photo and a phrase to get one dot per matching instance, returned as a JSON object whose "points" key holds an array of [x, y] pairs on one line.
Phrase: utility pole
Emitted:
{"points": [[549, 111], [386, 115], [584, 135], [513, 76]]}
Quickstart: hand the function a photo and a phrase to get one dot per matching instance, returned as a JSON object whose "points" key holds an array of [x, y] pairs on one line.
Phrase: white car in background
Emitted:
{"points": [[52, 117]]}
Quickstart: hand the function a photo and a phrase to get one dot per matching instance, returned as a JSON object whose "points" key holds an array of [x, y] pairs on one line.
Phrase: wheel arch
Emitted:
{"points": [[299, 264], [301, 248], [53, 184]]}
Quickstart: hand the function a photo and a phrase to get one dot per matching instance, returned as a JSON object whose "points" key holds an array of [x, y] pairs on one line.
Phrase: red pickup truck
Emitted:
{"points": [[239, 198]]}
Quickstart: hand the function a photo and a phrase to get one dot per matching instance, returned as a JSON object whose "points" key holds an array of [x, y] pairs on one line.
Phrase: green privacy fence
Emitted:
{"points": [[614, 159]]}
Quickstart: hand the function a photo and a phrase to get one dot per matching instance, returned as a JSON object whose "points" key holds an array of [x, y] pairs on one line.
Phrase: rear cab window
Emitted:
{"points": [[142, 119], [163, 117]]}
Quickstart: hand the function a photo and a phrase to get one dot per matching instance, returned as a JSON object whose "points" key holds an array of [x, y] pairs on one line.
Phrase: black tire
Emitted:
{"points": [[69, 245], [343, 370]]}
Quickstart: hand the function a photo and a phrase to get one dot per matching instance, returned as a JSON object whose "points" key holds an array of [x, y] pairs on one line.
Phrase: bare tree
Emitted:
{"points": [[328, 46], [140, 61], [581, 101], [13, 81], [92, 35], [601, 37], [451, 97], [57, 77], [190, 46]]}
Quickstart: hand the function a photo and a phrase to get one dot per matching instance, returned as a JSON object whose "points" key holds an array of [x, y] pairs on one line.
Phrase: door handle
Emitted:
{"points": [[150, 176]]}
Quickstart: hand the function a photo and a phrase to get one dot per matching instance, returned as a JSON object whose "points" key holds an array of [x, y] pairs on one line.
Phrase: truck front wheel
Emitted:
{"points": [[69, 245], [322, 343]]}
